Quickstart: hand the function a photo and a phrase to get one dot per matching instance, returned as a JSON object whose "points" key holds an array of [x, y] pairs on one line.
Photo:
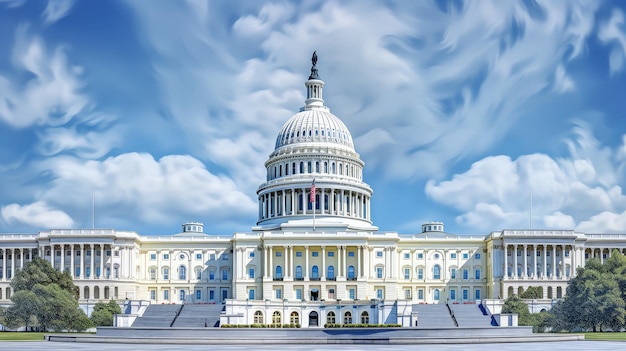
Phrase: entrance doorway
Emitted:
{"points": [[313, 319], [315, 294]]}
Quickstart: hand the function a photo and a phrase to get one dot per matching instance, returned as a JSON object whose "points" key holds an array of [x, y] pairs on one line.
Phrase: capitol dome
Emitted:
{"points": [[314, 175], [314, 125]]}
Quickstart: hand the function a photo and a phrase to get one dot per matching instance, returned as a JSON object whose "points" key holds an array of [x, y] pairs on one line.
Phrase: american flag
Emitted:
{"points": [[312, 194]]}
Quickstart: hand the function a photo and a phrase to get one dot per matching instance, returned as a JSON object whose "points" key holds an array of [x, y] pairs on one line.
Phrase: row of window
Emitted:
{"points": [[465, 294], [294, 317], [182, 294], [436, 273], [166, 256], [317, 167], [436, 256], [529, 253], [315, 272], [182, 273]]}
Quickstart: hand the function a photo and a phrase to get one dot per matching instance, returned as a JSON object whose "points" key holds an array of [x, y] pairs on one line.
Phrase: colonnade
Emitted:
{"points": [[12, 259], [532, 253], [328, 201]]}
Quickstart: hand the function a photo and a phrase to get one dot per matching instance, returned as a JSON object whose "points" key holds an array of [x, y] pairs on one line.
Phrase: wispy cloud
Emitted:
{"points": [[56, 10], [37, 215]]}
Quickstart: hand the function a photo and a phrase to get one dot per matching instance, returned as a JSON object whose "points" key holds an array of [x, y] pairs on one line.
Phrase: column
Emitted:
{"points": [[4, 264], [339, 261], [344, 263], [82, 262], [102, 261], [52, 255], [293, 202], [271, 262], [92, 265], [291, 260], [323, 270], [506, 268], [286, 254], [72, 260], [62, 257], [265, 261], [562, 261], [21, 259], [545, 260], [306, 262], [12, 263], [366, 262], [534, 256], [525, 268], [553, 275], [515, 261], [359, 261]]}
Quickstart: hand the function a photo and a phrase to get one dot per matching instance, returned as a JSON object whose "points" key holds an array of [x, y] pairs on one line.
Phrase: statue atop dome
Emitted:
{"points": [[314, 67]]}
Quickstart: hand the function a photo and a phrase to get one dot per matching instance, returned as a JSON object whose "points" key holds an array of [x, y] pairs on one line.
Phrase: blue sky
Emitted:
{"points": [[167, 110]]}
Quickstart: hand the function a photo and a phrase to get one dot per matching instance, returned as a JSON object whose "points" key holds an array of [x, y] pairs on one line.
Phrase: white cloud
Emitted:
{"points": [[51, 97], [611, 32], [38, 214], [135, 187], [56, 10], [581, 191]]}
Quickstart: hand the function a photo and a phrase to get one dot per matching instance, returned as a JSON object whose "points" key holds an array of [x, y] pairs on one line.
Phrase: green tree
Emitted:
{"points": [[533, 292], [102, 314], [514, 304], [46, 298], [594, 299]]}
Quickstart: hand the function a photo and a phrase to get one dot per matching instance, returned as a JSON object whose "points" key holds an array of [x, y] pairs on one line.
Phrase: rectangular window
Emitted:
{"points": [[379, 272], [152, 257], [420, 255], [77, 272], [420, 273], [166, 273], [407, 273], [279, 254], [420, 294], [87, 272], [298, 253], [251, 273], [453, 255], [352, 293], [407, 256], [407, 294], [212, 257], [566, 253], [224, 257], [251, 294], [315, 253], [117, 254], [465, 274], [212, 274], [477, 275], [465, 294], [166, 294], [152, 294], [453, 273], [198, 295], [224, 274], [379, 294], [538, 253], [211, 295], [166, 256], [108, 253], [350, 253], [477, 256], [251, 254], [88, 253], [465, 256], [477, 294], [78, 253], [299, 294], [331, 254], [379, 254], [198, 256], [452, 294], [279, 293]]}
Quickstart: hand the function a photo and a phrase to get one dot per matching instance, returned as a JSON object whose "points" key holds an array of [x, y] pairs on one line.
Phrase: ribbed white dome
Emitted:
{"points": [[314, 125]]}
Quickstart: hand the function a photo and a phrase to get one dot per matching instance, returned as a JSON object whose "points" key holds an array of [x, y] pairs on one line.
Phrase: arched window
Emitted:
{"points": [[182, 273], [198, 272], [436, 295], [325, 167], [341, 169], [276, 318], [294, 318], [365, 317], [333, 168], [298, 272], [280, 170], [437, 272], [293, 168], [279, 272], [309, 167], [301, 167], [330, 317], [317, 167], [314, 272], [258, 317], [347, 318], [351, 272], [331, 272]]}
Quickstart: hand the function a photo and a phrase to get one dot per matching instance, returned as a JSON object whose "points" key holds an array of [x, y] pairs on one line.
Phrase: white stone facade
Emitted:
{"points": [[311, 256]]}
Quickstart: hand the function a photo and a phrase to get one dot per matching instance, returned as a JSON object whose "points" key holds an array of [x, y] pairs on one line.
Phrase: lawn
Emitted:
{"points": [[606, 336], [20, 336]]}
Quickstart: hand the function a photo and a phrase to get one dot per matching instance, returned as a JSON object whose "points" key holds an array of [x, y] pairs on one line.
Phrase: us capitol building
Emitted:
{"points": [[314, 252]]}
